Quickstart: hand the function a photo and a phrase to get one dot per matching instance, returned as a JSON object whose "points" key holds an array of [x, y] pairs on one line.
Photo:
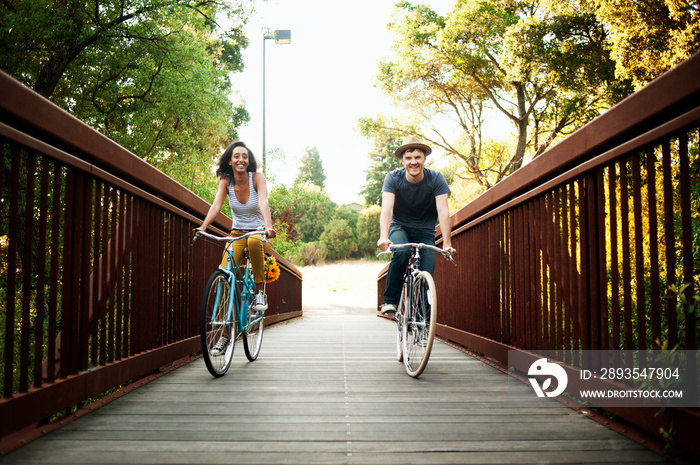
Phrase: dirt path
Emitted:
{"points": [[341, 286]]}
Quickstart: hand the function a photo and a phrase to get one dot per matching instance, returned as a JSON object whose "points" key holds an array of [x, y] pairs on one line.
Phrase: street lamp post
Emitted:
{"points": [[281, 37]]}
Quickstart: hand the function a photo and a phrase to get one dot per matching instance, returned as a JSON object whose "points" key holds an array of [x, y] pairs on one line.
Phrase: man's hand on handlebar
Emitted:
{"points": [[384, 243]]}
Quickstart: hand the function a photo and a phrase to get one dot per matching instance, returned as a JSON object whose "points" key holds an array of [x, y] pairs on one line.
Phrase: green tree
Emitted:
{"points": [[382, 159], [648, 38], [150, 74], [311, 169], [547, 73]]}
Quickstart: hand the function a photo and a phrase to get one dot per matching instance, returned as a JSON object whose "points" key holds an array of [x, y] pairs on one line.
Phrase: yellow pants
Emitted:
{"points": [[256, 251]]}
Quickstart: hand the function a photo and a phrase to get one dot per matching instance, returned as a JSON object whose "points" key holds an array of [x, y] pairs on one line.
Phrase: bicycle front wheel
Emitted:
{"points": [[217, 325], [400, 312], [419, 324]]}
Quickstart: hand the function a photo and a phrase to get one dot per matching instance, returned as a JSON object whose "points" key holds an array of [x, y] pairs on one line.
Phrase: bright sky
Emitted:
{"points": [[319, 85]]}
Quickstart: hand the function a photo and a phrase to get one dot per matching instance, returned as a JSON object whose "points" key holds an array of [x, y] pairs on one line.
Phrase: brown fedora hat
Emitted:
{"points": [[412, 142]]}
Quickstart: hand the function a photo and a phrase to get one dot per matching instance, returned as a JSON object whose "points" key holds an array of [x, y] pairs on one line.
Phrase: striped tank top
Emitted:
{"points": [[245, 216]]}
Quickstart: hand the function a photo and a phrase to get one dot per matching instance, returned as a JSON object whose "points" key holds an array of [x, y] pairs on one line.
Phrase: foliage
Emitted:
{"points": [[348, 214], [283, 243], [299, 215], [309, 253], [368, 231], [382, 159], [648, 38], [545, 71], [284, 214], [687, 309], [311, 228], [150, 74], [311, 169], [338, 239], [314, 207]]}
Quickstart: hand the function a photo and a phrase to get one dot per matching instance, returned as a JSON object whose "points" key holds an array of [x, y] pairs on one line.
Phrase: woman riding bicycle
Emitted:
{"points": [[247, 193], [413, 198]]}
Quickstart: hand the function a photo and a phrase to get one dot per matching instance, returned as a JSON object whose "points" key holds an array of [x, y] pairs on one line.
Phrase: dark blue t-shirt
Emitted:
{"points": [[414, 204]]}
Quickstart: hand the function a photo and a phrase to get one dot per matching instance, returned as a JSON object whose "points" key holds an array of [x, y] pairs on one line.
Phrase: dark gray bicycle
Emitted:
{"points": [[416, 315]]}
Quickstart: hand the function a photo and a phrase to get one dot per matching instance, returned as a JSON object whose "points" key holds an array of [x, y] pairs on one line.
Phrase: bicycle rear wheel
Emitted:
{"points": [[419, 324], [216, 322]]}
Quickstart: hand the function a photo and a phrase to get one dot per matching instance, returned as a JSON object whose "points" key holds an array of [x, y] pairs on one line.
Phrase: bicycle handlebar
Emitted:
{"points": [[418, 245], [199, 232]]}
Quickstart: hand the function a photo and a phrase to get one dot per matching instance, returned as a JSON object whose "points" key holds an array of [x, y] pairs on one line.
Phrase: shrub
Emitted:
{"points": [[368, 231], [338, 239], [308, 253]]}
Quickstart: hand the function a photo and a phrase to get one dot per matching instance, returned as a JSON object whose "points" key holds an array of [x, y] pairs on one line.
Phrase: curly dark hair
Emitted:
{"points": [[224, 170]]}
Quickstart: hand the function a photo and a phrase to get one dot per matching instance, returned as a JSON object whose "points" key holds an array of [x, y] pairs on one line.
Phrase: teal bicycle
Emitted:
{"points": [[228, 309]]}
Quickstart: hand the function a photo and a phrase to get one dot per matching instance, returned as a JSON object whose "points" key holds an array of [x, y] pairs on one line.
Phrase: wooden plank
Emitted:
{"points": [[327, 389]]}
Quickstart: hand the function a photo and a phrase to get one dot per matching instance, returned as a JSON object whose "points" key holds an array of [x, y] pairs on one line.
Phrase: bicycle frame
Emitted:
{"points": [[413, 267], [409, 276], [241, 282]]}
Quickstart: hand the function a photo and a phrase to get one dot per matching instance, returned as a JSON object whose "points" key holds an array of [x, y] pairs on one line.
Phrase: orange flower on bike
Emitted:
{"points": [[272, 269]]}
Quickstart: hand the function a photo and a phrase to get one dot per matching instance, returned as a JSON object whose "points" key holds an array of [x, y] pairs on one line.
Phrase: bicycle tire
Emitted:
{"points": [[253, 333], [419, 324], [400, 312], [214, 325]]}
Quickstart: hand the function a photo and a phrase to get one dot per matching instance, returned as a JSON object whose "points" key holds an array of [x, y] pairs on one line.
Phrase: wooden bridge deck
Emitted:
{"points": [[327, 389]]}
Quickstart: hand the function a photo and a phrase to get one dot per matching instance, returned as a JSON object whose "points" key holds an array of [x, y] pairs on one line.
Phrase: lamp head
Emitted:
{"points": [[283, 36]]}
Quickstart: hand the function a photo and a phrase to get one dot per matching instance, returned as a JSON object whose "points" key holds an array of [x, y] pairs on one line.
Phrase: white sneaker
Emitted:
{"points": [[220, 346], [260, 302], [388, 309]]}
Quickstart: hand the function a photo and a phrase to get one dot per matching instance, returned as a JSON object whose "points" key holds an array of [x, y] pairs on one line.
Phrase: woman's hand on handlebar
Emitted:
{"points": [[270, 233]]}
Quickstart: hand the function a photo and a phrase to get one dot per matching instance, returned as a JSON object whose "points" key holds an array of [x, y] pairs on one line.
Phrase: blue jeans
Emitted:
{"points": [[399, 261]]}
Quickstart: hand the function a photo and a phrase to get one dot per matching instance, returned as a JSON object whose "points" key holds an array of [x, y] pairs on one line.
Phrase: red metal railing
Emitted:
{"points": [[578, 250], [100, 285]]}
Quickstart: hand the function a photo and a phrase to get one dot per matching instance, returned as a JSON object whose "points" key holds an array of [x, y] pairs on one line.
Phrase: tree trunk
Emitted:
{"points": [[519, 155]]}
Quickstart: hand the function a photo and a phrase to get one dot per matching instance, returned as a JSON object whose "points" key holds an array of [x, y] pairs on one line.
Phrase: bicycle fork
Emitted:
{"points": [[222, 318]]}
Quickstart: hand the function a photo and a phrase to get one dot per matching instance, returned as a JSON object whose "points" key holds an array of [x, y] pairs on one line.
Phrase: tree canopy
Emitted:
{"points": [[648, 38], [547, 67], [547, 72], [150, 74]]}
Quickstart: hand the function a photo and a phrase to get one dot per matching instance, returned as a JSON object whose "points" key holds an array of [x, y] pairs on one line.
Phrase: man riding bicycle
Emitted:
{"points": [[413, 199]]}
